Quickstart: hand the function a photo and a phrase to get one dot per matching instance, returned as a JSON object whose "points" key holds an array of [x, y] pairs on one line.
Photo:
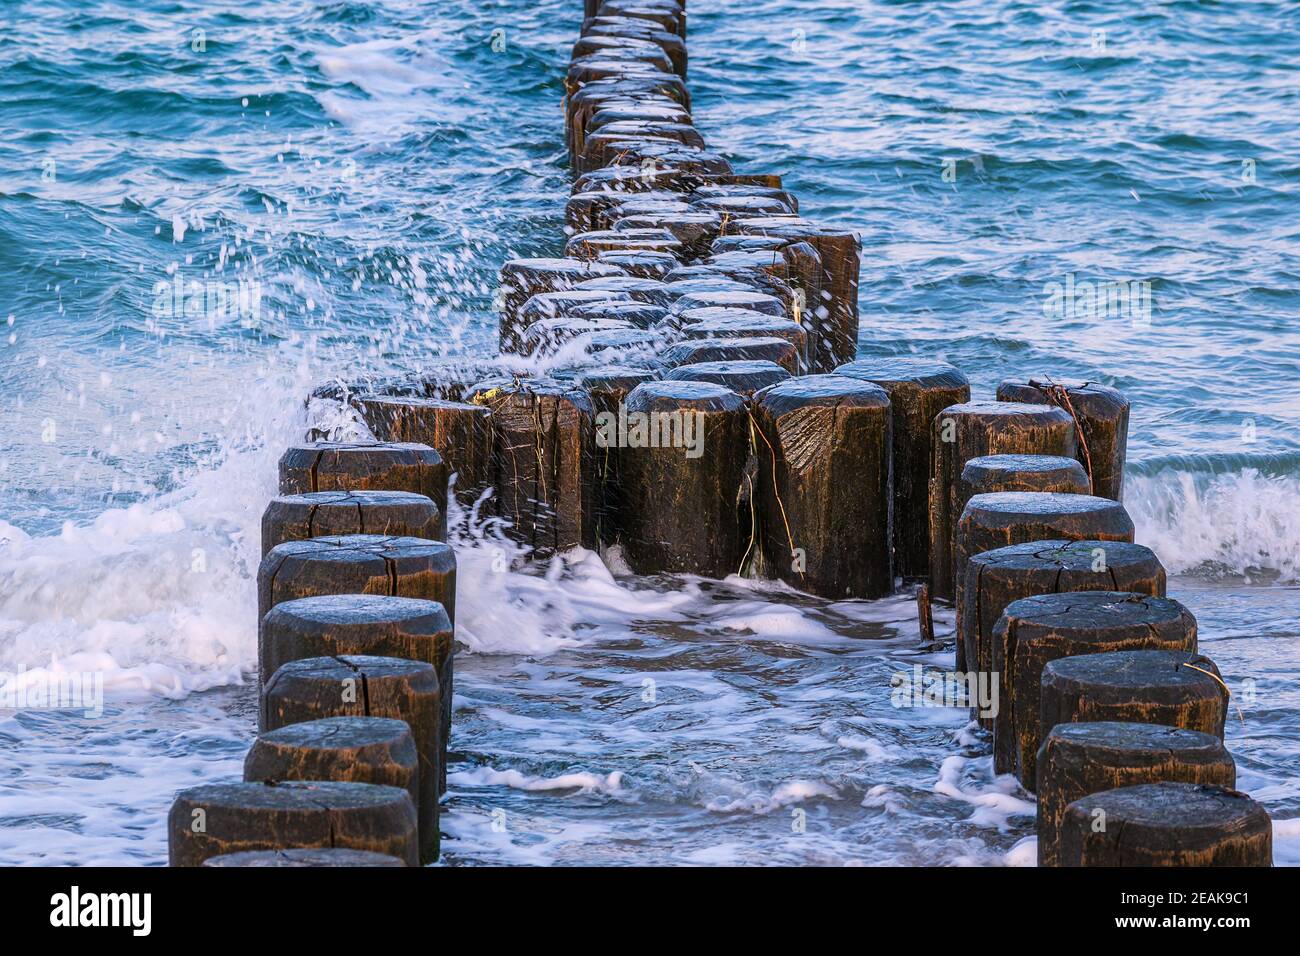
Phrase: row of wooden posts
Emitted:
{"points": [[705, 413]]}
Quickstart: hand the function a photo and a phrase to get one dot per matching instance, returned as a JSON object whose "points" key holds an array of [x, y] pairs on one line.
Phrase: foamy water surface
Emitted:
{"points": [[366, 168]]}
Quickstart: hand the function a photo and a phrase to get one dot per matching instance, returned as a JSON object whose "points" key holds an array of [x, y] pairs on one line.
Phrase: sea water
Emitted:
{"points": [[208, 208]]}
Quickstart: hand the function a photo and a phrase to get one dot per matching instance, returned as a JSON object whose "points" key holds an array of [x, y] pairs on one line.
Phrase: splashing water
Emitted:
{"points": [[348, 177]]}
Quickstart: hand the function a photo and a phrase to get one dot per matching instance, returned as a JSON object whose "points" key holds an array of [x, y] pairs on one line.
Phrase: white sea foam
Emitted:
{"points": [[719, 793], [779, 622], [1286, 842], [580, 781], [1024, 853], [873, 749], [518, 839], [1242, 522], [400, 77], [159, 596], [995, 801]]}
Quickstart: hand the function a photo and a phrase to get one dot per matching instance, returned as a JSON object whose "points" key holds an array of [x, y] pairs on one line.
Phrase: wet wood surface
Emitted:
{"points": [[1102, 415], [991, 521], [1081, 759], [683, 514], [1037, 631], [354, 749], [824, 482], [918, 389], [356, 685], [1175, 688], [1166, 824], [971, 430], [223, 818], [378, 626], [317, 513], [544, 460], [461, 433]]}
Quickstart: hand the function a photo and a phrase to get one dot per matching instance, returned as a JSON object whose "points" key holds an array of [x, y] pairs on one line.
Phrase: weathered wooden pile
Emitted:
{"points": [[357, 598], [706, 413]]}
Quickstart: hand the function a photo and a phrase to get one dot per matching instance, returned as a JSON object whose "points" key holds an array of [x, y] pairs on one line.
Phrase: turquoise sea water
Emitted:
{"points": [[349, 177]]}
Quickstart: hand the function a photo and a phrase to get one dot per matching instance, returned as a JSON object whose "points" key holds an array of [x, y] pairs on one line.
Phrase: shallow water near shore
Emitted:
{"points": [[707, 724], [367, 167]]}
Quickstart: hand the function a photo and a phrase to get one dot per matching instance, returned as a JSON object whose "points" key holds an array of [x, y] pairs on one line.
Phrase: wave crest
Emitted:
{"points": [[1243, 523]]}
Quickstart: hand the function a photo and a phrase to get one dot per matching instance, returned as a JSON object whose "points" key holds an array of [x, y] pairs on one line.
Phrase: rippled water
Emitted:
{"points": [[366, 167]]}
